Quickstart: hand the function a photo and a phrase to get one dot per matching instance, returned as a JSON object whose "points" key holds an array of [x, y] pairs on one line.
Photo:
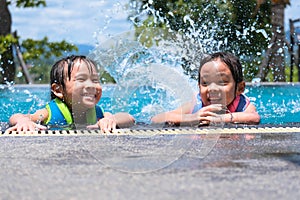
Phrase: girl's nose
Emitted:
{"points": [[90, 84], [213, 87]]}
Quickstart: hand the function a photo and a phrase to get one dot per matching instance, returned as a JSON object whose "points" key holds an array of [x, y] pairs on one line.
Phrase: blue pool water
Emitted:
{"points": [[277, 104]]}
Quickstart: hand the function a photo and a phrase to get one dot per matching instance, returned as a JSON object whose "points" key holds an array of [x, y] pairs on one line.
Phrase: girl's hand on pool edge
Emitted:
{"points": [[210, 110], [106, 124], [26, 126]]}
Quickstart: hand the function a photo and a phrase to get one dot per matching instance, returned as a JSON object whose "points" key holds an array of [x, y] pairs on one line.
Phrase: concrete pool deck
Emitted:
{"points": [[238, 165]]}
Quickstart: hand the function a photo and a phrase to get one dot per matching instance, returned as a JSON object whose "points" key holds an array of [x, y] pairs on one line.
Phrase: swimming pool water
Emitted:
{"points": [[277, 104]]}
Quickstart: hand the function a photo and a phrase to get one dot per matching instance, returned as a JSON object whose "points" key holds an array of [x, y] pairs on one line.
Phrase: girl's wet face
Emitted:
{"points": [[217, 85], [83, 90]]}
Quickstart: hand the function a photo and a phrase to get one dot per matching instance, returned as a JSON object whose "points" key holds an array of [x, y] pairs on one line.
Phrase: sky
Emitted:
{"points": [[77, 21], [86, 21]]}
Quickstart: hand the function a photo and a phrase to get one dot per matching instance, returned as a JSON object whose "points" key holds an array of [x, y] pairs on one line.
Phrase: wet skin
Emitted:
{"points": [[83, 90], [217, 85]]}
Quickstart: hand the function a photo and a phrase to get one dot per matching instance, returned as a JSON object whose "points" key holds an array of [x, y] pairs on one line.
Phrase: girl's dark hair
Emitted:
{"points": [[57, 74], [230, 60]]}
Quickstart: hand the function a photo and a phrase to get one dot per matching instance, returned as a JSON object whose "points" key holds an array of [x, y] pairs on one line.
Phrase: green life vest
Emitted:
{"points": [[60, 115]]}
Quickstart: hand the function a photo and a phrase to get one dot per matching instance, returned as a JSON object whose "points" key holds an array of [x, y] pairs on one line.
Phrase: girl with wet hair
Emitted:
{"points": [[220, 96], [75, 93]]}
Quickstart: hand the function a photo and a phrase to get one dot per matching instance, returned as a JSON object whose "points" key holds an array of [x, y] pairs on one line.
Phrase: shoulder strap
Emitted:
{"points": [[99, 112], [59, 113], [244, 102], [94, 114], [198, 104]]}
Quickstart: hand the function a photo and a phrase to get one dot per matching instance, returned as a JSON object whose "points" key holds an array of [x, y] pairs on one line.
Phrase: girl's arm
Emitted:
{"points": [[28, 122], [185, 116], [178, 115], [249, 116], [208, 114], [124, 120]]}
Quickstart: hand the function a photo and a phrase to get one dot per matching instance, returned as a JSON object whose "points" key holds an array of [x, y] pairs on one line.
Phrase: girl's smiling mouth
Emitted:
{"points": [[89, 96], [214, 97]]}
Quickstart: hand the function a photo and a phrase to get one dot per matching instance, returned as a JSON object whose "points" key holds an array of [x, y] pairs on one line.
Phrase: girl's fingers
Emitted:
{"points": [[27, 127], [94, 126], [213, 108], [107, 124], [208, 113], [114, 125]]}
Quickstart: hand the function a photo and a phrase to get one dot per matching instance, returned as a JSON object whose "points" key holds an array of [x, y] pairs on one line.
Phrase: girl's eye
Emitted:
{"points": [[96, 80], [204, 84], [80, 79], [223, 83]]}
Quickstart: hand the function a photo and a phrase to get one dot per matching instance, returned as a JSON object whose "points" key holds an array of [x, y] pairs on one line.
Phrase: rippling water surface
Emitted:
{"points": [[277, 104]]}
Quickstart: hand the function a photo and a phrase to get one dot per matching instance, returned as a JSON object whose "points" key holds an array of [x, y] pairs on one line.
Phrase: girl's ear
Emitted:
{"points": [[240, 88], [57, 90]]}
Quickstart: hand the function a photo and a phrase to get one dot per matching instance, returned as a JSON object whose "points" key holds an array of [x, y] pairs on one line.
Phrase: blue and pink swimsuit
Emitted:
{"points": [[239, 104]]}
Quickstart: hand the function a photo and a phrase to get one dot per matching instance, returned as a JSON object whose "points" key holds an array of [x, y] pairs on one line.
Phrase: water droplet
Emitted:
{"points": [[256, 82], [19, 74]]}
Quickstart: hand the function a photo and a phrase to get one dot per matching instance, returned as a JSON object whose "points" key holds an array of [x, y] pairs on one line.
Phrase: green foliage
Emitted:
{"points": [[37, 49], [250, 68], [294, 75], [28, 3], [39, 71], [39, 55], [238, 26], [6, 41], [106, 78]]}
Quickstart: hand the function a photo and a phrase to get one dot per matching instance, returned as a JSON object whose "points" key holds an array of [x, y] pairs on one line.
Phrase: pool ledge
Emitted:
{"points": [[165, 131]]}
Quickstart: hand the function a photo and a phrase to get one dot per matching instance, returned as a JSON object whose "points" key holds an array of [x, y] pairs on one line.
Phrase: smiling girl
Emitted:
{"points": [[75, 92], [220, 96]]}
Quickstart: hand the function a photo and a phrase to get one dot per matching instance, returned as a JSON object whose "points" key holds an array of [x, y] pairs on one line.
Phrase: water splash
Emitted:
{"points": [[256, 82], [155, 72], [150, 80], [21, 99]]}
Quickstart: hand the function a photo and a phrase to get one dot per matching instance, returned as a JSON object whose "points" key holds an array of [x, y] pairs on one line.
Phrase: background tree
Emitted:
{"points": [[275, 57], [241, 27], [32, 49], [6, 39]]}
